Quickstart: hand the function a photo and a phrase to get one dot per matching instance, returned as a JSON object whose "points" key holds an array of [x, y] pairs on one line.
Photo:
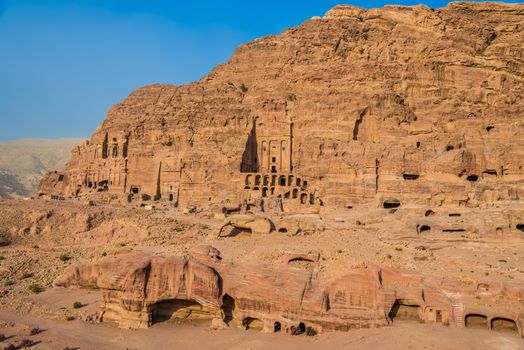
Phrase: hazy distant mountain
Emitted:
{"points": [[24, 162]]}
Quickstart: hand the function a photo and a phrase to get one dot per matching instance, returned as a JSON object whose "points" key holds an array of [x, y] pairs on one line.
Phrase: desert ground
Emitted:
{"points": [[363, 237]]}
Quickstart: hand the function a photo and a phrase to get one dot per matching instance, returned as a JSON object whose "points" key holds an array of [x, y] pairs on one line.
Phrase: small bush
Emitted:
{"points": [[389, 256], [503, 260], [2, 337], [26, 275], [398, 249], [35, 331], [77, 305], [25, 344], [179, 229], [10, 347], [35, 288], [64, 257], [70, 318], [2, 257], [104, 254], [8, 283], [122, 244], [36, 247], [203, 226], [310, 331]]}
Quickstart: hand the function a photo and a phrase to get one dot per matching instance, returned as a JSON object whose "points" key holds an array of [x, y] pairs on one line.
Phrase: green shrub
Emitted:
{"points": [[179, 229], [77, 305], [25, 344], [398, 249], [122, 244], [35, 288], [503, 260], [35, 331], [8, 283], [203, 226], [64, 257], [104, 254], [2, 257], [69, 318], [310, 331], [26, 275]]}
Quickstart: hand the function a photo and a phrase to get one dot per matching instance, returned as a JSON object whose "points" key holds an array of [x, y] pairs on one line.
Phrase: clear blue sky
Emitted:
{"points": [[63, 63]]}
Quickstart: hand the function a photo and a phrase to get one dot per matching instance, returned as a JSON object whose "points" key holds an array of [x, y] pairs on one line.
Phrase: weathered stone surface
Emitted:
{"points": [[133, 286], [139, 289], [250, 223], [392, 106]]}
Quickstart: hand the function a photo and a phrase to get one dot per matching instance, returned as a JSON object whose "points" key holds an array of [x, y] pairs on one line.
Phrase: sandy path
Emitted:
{"points": [[79, 334]]}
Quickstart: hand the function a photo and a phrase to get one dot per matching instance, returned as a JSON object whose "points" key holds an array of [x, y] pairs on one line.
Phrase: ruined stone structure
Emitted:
{"points": [[392, 106], [267, 170], [141, 290]]}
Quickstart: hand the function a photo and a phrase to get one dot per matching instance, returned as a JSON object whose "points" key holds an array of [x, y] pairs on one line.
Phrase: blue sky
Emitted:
{"points": [[63, 63]]}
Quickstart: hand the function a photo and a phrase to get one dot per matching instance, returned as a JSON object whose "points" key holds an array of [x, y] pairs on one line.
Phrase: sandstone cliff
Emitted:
{"points": [[393, 105]]}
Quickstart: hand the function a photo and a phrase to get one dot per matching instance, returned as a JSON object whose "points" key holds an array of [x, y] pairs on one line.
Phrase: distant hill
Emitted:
{"points": [[24, 162]]}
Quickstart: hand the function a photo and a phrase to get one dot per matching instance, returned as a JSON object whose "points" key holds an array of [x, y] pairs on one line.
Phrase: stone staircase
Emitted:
{"points": [[458, 314]]}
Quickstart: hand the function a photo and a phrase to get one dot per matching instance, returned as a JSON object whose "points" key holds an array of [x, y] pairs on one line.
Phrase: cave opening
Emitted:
{"points": [[502, 324], [410, 176], [472, 178], [404, 312], [228, 307], [181, 310], [476, 321], [253, 323], [391, 203], [424, 228]]}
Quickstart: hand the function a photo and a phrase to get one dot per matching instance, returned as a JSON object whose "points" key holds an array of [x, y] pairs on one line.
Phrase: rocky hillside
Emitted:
{"points": [[394, 105], [24, 162]]}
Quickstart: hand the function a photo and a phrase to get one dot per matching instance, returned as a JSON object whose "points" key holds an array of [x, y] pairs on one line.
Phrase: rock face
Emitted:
{"points": [[140, 290], [390, 106], [137, 288]]}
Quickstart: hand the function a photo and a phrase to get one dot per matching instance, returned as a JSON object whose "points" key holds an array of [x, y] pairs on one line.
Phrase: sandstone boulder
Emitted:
{"points": [[252, 224]]}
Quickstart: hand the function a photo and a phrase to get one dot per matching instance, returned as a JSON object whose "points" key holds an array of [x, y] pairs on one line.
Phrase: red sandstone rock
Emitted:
{"points": [[139, 289], [407, 105]]}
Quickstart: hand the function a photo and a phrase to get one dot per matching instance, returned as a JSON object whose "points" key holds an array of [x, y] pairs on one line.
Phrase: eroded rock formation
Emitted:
{"points": [[391, 106], [139, 290], [135, 287]]}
